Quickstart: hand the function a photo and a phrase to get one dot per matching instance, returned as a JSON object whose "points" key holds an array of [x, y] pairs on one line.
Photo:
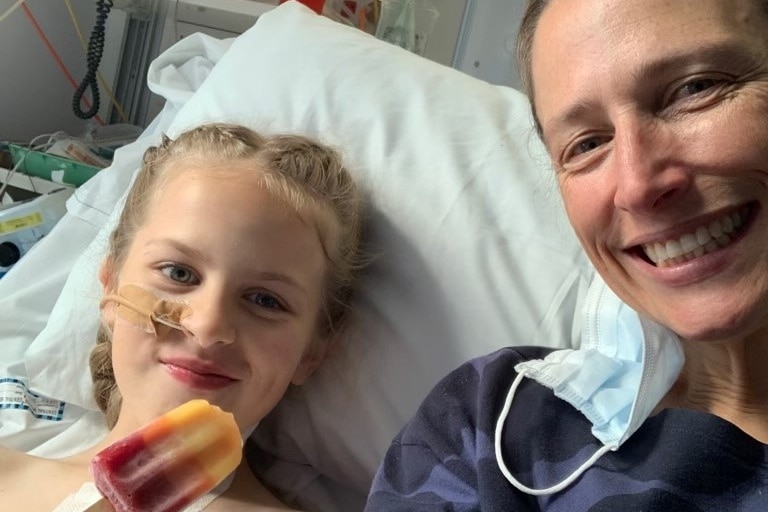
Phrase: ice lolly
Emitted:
{"points": [[170, 462]]}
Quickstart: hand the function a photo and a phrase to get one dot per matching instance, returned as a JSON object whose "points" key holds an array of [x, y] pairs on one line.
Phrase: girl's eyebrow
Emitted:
{"points": [[198, 255], [185, 249], [281, 278]]}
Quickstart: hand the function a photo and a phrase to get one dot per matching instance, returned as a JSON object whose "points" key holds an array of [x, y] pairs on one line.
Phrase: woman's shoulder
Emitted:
{"points": [[472, 395], [483, 377], [447, 448]]}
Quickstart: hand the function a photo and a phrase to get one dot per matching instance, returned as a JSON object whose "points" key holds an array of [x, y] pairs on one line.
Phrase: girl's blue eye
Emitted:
{"points": [[180, 274], [266, 301]]}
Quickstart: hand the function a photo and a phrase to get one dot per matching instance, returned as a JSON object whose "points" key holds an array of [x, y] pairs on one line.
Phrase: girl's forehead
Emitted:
{"points": [[212, 169], [245, 180], [211, 164]]}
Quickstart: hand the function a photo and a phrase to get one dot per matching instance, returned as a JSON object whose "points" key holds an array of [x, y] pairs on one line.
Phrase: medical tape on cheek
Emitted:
{"points": [[146, 310]]}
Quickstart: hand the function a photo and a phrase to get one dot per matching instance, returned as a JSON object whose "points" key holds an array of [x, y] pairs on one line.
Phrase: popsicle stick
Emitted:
{"points": [[103, 505]]}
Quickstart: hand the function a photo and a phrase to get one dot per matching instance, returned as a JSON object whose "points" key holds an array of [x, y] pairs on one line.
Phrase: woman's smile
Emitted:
{"points": [[706, 239], [705, 250]]}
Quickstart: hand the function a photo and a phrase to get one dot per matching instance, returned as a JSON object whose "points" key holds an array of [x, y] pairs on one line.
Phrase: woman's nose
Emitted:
{"points": [[211, 320], [648, 169]]}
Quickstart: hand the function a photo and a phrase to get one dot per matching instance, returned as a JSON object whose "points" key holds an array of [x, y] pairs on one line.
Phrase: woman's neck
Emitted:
{"points": [[727, 379]]}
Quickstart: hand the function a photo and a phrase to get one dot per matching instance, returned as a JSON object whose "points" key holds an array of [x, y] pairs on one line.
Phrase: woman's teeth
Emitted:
{"points": [[704, 240]]}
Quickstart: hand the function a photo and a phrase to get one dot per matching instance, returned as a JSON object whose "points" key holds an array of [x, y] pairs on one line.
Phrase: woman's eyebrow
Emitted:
{"points": [[574, 113], [730, 53]]}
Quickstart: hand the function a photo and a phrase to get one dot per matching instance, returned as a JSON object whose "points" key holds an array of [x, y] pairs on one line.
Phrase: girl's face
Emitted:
{"points": [[252, 273], [655, 114]]}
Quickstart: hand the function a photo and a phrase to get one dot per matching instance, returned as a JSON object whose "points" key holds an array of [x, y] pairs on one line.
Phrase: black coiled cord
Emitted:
{"points": [[95, 50]]}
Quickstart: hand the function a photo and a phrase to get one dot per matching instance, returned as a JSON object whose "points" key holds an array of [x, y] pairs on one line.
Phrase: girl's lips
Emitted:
{"points": [[198, 374]]}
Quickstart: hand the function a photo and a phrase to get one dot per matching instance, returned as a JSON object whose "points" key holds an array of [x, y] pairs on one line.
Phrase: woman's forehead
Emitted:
{"points": [[583, 47], [587, 33]]}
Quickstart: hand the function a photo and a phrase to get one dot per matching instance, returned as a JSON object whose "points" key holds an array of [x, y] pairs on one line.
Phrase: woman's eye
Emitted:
{"points": [[694, 88], [180, 274], [584, 146], [698, 86]]}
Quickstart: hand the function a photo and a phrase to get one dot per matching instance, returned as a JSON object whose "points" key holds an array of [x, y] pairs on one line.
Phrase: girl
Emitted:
{"points": [[257, 240]]}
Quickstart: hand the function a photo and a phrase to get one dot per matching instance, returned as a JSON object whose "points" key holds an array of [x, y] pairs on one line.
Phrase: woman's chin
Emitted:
{"points": [[715, 328]]}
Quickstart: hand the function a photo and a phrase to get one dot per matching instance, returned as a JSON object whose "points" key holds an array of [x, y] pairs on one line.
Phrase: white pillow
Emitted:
{"points": [[472, 252]]}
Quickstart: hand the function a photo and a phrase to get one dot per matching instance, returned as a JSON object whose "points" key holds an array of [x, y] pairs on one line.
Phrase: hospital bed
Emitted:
{"points": [[472, 249]]}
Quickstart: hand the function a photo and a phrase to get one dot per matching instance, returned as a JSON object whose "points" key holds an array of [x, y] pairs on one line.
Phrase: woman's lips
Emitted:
{"points": [[198, 374]]}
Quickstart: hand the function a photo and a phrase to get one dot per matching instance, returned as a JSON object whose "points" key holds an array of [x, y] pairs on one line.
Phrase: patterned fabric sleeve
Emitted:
{"points": [[443, 459], [680, 460]]}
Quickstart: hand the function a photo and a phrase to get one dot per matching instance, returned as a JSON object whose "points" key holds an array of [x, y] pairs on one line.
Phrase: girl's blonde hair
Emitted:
{"points": [[307, 175]]}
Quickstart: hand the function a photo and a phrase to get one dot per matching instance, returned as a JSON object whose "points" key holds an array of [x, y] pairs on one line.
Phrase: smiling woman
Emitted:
{"points": [[228, 275], [661, 164], [654, 115]]}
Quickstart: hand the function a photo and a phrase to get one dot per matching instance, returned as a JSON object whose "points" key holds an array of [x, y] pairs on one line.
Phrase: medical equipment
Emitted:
{"points": [[23, 224], [407, 23]]}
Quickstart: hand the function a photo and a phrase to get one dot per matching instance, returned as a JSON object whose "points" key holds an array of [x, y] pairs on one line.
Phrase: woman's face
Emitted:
{"points": [[655, 114], [251, 272]]}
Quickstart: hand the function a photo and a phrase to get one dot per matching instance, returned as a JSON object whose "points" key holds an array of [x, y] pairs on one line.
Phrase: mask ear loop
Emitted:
{"points": [[503, 467]]}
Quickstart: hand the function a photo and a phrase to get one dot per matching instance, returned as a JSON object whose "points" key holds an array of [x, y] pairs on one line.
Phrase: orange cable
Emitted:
{"points": [[56, 57]]}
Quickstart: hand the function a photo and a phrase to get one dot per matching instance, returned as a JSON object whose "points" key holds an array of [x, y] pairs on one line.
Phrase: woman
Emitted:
{"points": [[654, 114], [255, 242]]}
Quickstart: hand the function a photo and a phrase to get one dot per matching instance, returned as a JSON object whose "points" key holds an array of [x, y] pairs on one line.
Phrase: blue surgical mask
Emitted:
{"points": [[623, 367]]}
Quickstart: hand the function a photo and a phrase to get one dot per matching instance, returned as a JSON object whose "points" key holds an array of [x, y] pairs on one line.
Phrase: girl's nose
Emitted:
{"points": [[211, 320]]}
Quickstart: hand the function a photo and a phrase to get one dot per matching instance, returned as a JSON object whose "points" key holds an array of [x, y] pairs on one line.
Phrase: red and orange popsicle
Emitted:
{"points": [[170, 462]]}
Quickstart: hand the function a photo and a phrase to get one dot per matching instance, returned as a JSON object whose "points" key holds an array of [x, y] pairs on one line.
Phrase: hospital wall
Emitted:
{"points": [[37, 96], [487, 49]]}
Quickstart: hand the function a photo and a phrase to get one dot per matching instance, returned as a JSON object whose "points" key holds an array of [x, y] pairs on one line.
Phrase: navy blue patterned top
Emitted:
{"points": [[443, 459]]}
